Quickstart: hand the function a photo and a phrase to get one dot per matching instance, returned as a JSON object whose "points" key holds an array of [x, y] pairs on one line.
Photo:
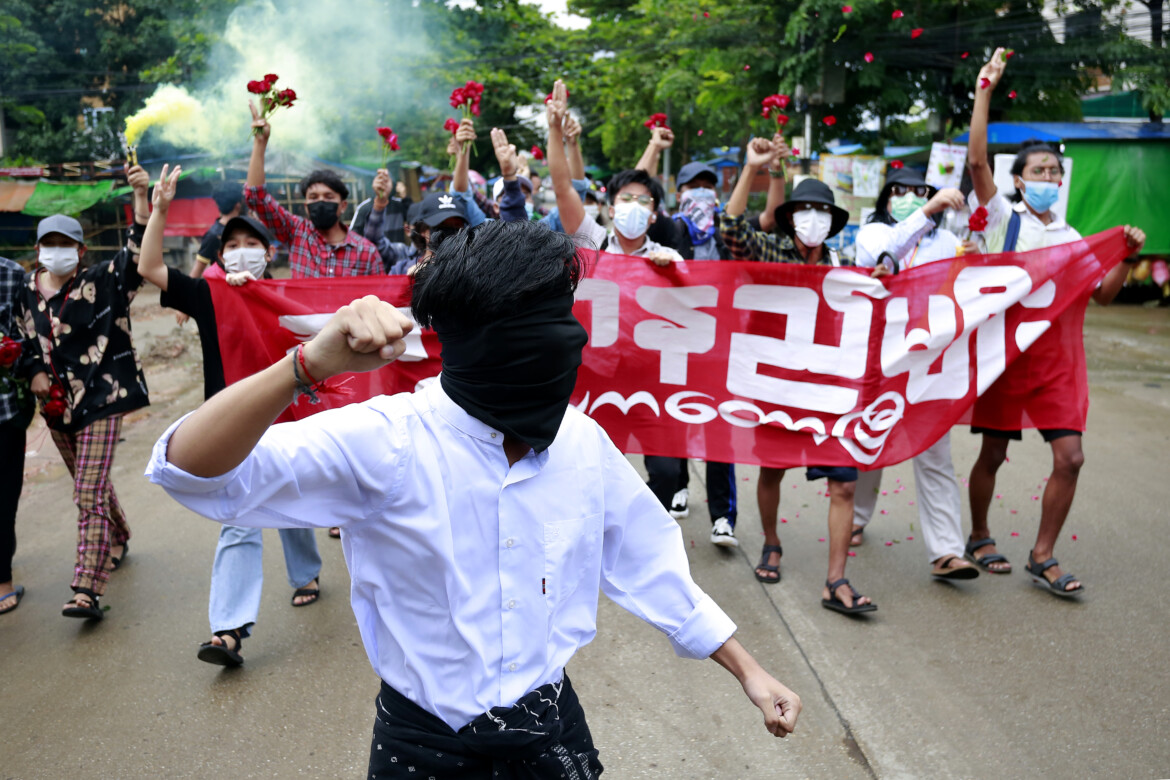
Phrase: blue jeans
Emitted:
{"points": [[238, 573]]}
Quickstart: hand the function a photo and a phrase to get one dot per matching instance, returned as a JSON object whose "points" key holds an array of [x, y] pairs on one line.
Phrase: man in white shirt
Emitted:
{"points": [[1027, 225], [481, 514]]}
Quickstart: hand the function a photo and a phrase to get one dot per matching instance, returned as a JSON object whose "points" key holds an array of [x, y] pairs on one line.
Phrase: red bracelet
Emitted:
{"points": [[301, 359]]}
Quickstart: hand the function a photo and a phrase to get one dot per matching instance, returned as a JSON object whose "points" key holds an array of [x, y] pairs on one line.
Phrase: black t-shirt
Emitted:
{"points": [[193, 298], [209, 244]]}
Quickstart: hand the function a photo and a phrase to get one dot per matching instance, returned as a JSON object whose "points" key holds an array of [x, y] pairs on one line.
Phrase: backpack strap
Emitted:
{"points": [[1013, 232]]}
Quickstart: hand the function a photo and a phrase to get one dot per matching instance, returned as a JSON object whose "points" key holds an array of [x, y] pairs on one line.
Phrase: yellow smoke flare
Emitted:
{"points": [[168, 105]]}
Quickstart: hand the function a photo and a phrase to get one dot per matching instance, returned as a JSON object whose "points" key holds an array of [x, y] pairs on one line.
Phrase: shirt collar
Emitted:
{"points": [[647, 245], [1056, 224], [454, 415]]}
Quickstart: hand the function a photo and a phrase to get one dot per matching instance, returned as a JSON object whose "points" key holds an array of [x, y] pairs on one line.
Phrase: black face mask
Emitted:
{"points": [[323, 213], [517, 374]]}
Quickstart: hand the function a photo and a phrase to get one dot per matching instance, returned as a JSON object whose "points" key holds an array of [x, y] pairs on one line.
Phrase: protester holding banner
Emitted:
{"points": [[237, 574], [88, 376], [634, 198], [904, 230], [452, 498], [319, 245], [1007, 407], [805, 221]]}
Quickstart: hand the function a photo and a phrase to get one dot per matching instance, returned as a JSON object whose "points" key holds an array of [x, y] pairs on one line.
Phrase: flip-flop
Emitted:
{"points": [[1058, 586], [314, 592], [768, 550], [222, 655], [334, 532], [985, 561], [17, 594], [837, 605], [859, 532], [956, 572]]}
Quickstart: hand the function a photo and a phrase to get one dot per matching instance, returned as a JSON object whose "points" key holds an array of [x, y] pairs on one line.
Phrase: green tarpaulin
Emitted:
{"points": [[1117, 183], [52, 198]]}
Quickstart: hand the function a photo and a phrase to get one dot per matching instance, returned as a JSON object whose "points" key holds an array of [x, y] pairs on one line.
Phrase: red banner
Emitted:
{"points": [[778, 365]]}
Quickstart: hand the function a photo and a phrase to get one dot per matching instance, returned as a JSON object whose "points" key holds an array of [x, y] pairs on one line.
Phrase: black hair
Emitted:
{"points": [[243, 227], [474, 276], [228, 197], [326, 177], [1033, 146], [635, 176]]}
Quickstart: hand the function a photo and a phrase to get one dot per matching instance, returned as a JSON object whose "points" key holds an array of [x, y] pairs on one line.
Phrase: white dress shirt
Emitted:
{"points": [[910, 242], [473, 583], [1034, 234]]}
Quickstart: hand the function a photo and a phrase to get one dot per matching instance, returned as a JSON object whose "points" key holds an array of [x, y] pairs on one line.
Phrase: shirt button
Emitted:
{"points": [[493, 435], [512, 604], [509, 543], [511, 667]]}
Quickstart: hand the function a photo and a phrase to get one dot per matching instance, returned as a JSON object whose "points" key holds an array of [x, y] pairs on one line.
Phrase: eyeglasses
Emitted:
{"points": [[1052, 173], [812, 207], [898, 190], [641, 200]]}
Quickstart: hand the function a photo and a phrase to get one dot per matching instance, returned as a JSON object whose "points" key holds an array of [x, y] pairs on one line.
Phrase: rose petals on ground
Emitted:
{"points": [[852, 554], [821, 539], [885, 492], [889, 544], [1015, 533], [909, 538], [1014, 511], [884, 512], [1074, 537], [999, 495]]}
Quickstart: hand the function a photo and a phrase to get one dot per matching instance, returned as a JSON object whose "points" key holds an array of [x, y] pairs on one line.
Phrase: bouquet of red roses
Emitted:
{"points": [[55, 405], [389, 143], [773, 106], [466, 99], [270, 98]]}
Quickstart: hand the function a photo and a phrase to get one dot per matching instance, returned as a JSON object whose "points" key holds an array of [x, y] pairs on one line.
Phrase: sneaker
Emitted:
{"points": [[678, 505], [723, 533]]}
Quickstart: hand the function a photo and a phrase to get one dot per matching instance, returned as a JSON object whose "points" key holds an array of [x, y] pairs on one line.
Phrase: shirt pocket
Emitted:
{"points": [[570, 557]]}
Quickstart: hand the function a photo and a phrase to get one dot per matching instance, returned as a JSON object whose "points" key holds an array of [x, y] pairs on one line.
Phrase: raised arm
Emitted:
{"points": [[572, 132], [139, 179], [982, 173], [150, 261], [261, 131], [460, 178], [512, 200], [569, 204], [660, 138], [1114, 280], [217, 437], [760, 152], [777, 183]]}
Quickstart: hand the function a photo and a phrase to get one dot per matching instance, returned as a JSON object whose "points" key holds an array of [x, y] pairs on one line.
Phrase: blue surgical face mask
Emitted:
{"points": [[1041, 195]]}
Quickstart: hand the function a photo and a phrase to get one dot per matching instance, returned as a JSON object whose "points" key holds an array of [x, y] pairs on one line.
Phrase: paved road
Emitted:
{"points": [[988, 678]]}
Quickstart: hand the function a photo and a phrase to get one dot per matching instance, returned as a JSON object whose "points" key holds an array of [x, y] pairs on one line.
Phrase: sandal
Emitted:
{"points": [[950, 572], [984, 562], [859, 535], [1057, 586], [334, 532], [79, 609], [16, 595], [763, 564], [312, 593], [837, 605], [116, 562], [222, 655]]}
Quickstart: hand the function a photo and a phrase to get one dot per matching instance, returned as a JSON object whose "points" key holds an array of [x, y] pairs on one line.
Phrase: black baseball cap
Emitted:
{"points": [[438, 207], [694, 170], [251, 225]]}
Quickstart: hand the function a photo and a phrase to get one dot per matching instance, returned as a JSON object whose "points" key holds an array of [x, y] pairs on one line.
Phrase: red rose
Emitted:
{"points": [[286, 96], [54, 408], [1012, 94], [257, 87], [537, 154], [747, 67], [385, 132], [868, 56], [830, 120], [782, 119], [392, 142], [964, 55], [451, 126], [984, 83], [978, 220], [656, 120], [9, 352], [916, 32], [846, 9], [897, 165], [56, 392], [706, 15], [896, 15], [271, 78], [457, 97]]}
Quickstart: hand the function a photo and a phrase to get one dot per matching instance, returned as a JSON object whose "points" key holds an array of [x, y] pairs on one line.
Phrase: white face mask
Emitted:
{"points": [[811, 226], [591, 210], [59, 260], [246, 258], [631, 220]]}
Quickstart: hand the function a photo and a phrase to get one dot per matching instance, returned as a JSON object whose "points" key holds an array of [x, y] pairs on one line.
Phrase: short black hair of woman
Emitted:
{"points": [[475, 276]]}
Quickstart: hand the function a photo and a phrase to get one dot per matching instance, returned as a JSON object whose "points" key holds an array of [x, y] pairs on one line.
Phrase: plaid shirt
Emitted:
{"points": [[309, 254], [11, 314], [744, 242]]}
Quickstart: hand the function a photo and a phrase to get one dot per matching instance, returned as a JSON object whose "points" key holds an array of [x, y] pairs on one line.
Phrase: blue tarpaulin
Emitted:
{"points": [[1018, 132]]}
